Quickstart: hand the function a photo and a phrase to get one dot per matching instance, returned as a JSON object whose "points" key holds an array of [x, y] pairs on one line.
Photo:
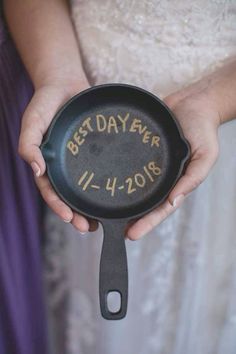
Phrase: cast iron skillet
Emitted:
{"points": [[113, 153]]}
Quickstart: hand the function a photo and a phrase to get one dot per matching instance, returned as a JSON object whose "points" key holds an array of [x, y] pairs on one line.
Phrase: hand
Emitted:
{"points": [[35, 122], [199, 120]]}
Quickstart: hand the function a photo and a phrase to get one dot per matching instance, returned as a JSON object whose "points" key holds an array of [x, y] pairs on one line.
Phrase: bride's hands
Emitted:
{"points": [[199, 108], [199, 119], [196, 114], [38, 115]]}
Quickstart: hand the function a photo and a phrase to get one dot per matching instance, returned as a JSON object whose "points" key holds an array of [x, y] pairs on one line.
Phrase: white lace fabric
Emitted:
{"points": [[159, 45], [182, 275]]}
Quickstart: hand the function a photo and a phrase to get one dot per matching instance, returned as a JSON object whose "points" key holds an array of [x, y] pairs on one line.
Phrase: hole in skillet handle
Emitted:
{"points": [[113, 300], [59, 160], [113, 274]]}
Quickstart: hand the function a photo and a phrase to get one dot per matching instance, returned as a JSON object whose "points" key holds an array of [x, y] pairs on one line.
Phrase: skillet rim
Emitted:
{"points": [[183, 161]]}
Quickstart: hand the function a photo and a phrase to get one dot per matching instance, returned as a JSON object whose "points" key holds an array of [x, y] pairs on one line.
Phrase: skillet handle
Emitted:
{"points": [[113, 268]]}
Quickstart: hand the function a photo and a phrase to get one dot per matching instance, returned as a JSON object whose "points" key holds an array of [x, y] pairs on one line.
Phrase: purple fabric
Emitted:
{"points": [[22, 313]]}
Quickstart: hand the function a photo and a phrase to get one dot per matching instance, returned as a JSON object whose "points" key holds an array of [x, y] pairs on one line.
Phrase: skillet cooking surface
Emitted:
{"points": [[114, 152]]}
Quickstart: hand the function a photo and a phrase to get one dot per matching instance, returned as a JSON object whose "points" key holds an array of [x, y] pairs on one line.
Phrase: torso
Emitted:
{"points": [[159, 45]]}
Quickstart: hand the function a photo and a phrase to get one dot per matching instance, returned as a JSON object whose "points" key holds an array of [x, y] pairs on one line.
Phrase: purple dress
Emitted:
{"points": [[22, 312]]}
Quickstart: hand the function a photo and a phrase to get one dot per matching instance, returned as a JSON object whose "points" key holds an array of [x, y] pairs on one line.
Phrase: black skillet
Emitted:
{"points": [[113, 153]]}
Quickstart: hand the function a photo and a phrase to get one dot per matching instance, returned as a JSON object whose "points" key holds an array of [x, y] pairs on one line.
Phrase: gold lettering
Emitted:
{"points": [[139, 180], [82, 131], [89, 179], [77, 138], [100, 118], [148, 173], [155, 140], [135, 125], [74, 149], [156, 170], [129, 181], [146, 137], [123, 121], [86, 122], [112, 124], [110, 186], [142, 129]]}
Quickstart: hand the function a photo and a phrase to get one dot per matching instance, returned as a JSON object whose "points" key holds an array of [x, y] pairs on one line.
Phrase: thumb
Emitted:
{"points": [[32, 130], [36, 119]]}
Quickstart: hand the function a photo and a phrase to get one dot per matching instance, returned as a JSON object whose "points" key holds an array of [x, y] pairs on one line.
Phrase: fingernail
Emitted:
{"points": [[178, 200], [35, 168], [67, 220], [83, 233]]}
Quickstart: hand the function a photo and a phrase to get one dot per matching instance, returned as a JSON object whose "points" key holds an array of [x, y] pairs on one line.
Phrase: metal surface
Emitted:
{"points": [[113, 153]]}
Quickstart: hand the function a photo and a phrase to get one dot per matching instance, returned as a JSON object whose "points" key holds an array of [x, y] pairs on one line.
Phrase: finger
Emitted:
{"points": [[151, 220], [93, 225], [36, 118], [35, 122], [51, 198], [59, 207], [195, 174], [80, 223], [84, 225], [30, 139]]}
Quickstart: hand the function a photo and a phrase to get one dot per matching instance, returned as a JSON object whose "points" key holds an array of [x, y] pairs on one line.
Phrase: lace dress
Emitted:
{"points": [[182, 275]]}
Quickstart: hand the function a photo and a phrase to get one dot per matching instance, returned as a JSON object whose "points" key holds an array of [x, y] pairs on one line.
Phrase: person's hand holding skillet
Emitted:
{"points": [[53, 61], [200, 109]]}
